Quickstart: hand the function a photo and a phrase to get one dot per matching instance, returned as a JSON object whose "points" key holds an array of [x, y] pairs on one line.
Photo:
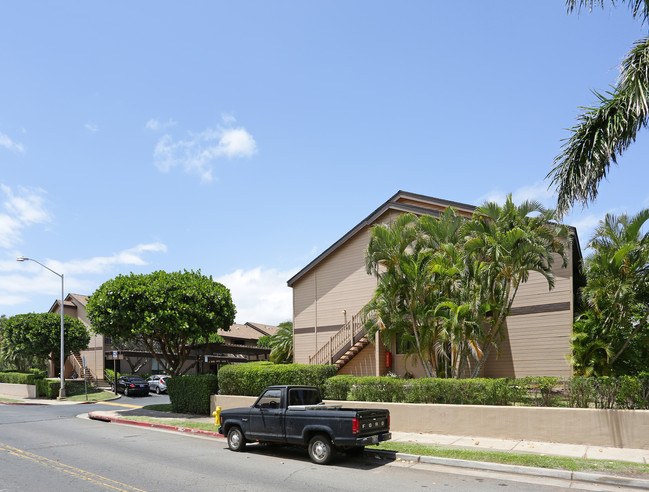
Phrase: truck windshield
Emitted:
{"points": [[303, 396]]}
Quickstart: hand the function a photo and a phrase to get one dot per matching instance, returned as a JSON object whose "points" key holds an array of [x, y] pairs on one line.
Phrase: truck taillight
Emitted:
{"points": [[355, 426]]}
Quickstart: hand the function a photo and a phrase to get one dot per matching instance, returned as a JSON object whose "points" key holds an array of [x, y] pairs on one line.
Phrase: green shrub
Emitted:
{"points": [[109, 375], [338, 387], [630, 393], [625, 392], [48, 388], [480, 391], [581, 391], [382, 388], [191, 394], [543, 390], [252, 378], [606, 390], [18, 378]]}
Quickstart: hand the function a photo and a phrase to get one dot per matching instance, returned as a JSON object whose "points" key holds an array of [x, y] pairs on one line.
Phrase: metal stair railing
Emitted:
{"points": [[78, 367], [349, 334]]}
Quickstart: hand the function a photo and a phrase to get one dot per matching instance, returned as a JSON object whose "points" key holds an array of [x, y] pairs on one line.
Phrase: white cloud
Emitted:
{"points": [[228, 119], [91, 127], [261, 295], [20, 282], [197, 153], [9, 144], [236, 142], [585, 226], [155, 124], [102, 264], [20, 210]]}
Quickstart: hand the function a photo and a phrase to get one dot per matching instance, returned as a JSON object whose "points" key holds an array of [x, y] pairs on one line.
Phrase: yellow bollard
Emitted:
{"points": [[216, 414]]}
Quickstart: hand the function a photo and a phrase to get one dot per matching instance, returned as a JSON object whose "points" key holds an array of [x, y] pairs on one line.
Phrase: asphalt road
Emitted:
{"points": [[52, 448]]}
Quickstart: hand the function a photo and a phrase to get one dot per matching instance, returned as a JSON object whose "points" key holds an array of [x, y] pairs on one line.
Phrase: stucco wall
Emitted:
{"points": [[18, 390], [610, 428]]}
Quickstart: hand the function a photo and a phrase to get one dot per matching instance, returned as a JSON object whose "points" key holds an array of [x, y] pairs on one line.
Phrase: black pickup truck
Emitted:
{"points": [[297, 415]]}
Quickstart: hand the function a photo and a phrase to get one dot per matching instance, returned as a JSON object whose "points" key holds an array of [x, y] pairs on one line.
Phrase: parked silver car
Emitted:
{"points": [[158, 383]]}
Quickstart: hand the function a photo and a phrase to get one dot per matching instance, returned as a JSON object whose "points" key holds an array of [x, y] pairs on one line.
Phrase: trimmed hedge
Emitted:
{"points": [[625, 392], [191, 394], [252, 378], [18, 378], [48, 388], [425, 390]]}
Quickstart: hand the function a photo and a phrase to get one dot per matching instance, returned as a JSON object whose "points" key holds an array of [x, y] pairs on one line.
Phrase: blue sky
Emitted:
{"points": [[244, 138]]}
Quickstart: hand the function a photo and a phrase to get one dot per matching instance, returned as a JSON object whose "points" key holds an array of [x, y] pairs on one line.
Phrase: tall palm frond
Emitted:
{"points": [[606, 130]]}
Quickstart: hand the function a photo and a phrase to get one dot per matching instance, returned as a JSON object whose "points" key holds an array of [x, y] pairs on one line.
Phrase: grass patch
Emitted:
{"points": [[92, 396], [10, 400], [188, 424], [76, 391], [162, 407], [522, 459]]}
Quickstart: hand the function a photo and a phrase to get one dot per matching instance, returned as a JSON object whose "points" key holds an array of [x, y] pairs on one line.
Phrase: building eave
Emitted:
{"points": [[391, 204]]}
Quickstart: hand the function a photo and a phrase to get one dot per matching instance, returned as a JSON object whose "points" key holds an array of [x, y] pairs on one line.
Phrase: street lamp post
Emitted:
{"points": [[62, 389]]}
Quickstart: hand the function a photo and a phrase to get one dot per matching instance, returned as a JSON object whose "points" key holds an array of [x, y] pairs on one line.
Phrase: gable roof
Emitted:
{"points": [[401, 201], [249, 331], [263, 329]]}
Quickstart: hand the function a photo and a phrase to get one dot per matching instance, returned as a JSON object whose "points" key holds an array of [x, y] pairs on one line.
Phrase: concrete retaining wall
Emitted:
{"points": [[610, 428], [18, 390]]}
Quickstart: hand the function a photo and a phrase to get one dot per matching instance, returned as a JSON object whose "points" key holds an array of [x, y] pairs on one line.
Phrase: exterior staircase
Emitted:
{"points": [[343, 345], [77, 363]]}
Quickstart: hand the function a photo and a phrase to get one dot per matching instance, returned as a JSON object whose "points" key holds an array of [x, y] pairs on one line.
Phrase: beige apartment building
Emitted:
{"points": [[329, 293]]}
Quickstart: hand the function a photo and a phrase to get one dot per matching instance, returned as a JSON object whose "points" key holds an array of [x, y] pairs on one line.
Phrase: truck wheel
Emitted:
{"points": [[321, 451], [236, 439]]}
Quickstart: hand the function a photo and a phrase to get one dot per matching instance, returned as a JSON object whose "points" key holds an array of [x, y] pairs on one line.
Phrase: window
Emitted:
{"points": [[270, 399], [299, 396]]}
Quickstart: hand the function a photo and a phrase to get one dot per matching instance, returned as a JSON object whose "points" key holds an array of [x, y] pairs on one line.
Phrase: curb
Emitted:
{"points": [[519, 470], [118, 420], [43, 404]]}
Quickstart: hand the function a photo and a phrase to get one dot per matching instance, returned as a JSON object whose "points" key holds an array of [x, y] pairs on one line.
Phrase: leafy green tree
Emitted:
{"points": [[617, 293], [590, 355], [281, 344], [606, 130], [36, 337], [264, 341], [168, 313], [510, 242]]}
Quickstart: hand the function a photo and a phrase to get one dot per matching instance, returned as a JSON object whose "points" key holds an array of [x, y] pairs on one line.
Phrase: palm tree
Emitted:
{"points": [[617, 289], [590, 355], [508, 243], [605, 130], [282, 344], [422, 296]]}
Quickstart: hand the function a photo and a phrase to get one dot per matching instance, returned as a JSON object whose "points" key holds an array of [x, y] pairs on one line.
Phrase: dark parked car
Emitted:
{"points": [[297, 415], [158, 383], [132, 385]]}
